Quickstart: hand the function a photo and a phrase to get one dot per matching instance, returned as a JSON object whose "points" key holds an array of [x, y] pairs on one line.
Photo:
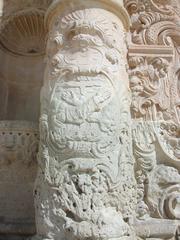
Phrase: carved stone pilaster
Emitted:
{"points": [[85, 187], [154, 80]]}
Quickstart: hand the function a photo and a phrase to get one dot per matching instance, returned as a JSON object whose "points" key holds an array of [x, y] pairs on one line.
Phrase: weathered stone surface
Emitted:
{"points": [[154, 81], [85, 187], [109, 154], [18, 149], [22, 45]]}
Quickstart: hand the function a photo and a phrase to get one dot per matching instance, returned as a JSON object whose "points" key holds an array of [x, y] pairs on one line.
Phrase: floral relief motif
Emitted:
{"points": [[154, 82], [85, 187]]}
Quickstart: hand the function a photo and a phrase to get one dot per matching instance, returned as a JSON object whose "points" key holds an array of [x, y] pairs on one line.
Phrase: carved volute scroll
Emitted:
{"points": [[154, 55], [85, 187]]}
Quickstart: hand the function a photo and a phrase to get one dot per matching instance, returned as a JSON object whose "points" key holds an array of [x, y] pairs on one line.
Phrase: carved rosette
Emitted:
{"points": [[85, 188]]}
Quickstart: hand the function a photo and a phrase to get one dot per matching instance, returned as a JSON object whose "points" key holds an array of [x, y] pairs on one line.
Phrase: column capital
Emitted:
{"points": [[60, 7]]}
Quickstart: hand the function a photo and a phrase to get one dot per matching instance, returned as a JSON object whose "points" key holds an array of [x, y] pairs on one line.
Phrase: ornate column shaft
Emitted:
{"points": [[85, 188]]}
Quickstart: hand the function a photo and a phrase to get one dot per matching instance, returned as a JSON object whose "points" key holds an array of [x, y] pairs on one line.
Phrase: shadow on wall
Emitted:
{"points": [[22, 49]]}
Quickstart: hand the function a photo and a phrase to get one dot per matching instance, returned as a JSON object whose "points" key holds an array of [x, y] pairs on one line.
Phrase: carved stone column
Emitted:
{"points": [[85, 188]]}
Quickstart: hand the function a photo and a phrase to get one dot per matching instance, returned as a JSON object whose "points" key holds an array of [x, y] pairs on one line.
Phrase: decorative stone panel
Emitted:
{"points": [[154, 80], [18, 150]]}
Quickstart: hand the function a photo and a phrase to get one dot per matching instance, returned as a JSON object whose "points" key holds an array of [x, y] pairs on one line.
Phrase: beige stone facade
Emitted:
{"points": [[90, 119]]}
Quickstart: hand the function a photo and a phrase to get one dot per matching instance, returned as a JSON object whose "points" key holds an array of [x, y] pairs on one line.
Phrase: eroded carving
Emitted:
{"points": [[150, 86], [18, 165], [85, 187], [157, 174], [19, 142]]}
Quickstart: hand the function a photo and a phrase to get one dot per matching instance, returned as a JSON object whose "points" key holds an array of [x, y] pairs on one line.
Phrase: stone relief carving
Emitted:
{"points": [[18, 141], [158, 179], [154, 22], [150, 85], [85, 187], [154, 82], [152, 171]]}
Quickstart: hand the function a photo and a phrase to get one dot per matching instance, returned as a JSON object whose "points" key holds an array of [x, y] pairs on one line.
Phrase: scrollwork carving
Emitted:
{"points": [[158, 178], [153, 22], [85, 187], [154, 81], [150, 86]]}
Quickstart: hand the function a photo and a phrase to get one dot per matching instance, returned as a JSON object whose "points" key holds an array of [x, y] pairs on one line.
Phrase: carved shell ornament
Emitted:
{"points": [[24, 33]]}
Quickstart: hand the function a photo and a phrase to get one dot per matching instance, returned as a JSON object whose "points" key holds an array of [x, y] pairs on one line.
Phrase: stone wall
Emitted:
{"points": [[22, 49], [108, 162]]}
